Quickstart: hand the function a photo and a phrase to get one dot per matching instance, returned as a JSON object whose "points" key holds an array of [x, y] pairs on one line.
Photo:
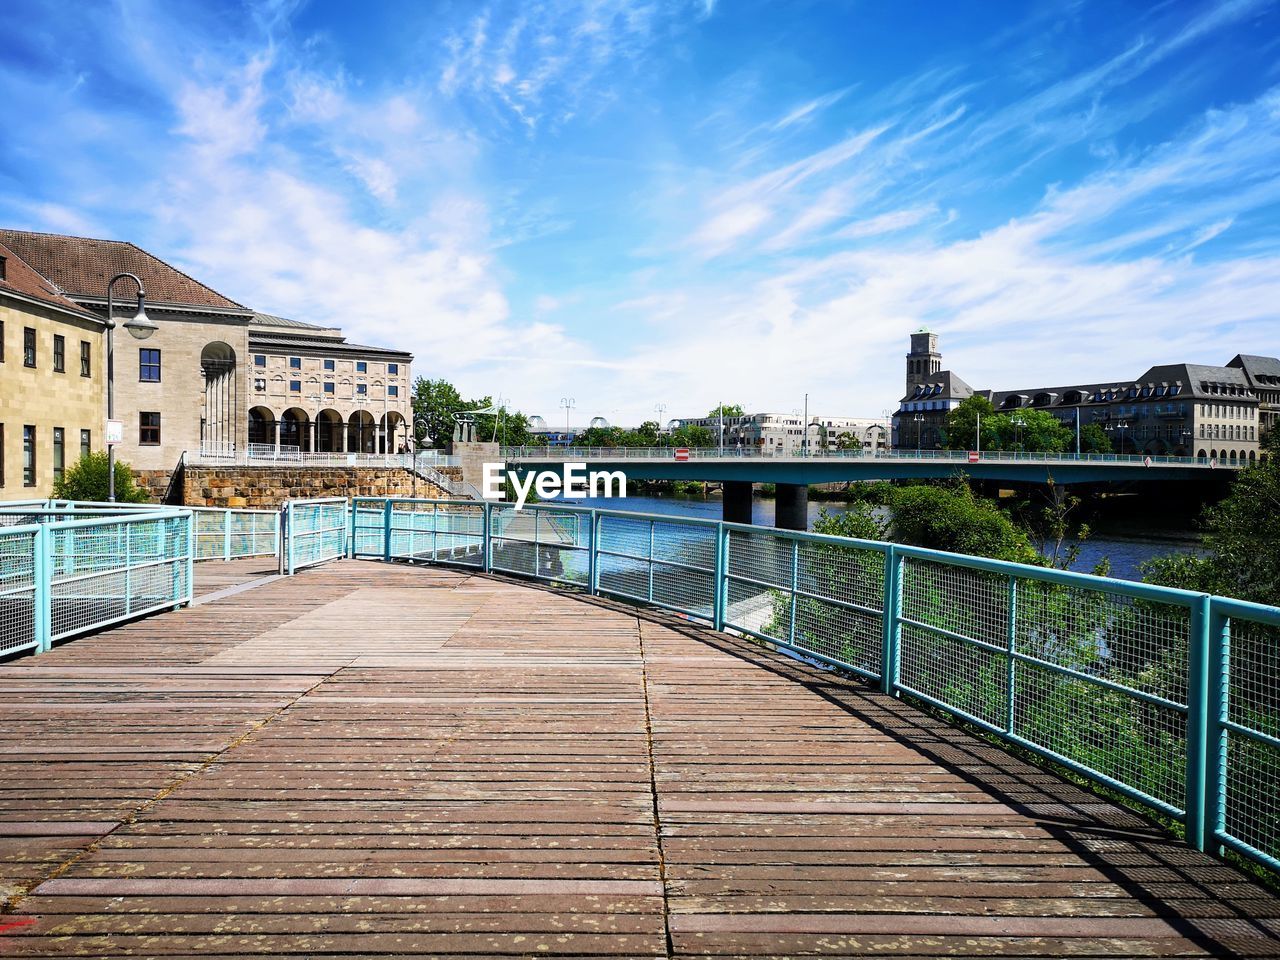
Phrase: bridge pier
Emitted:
{"points": [[736, 502], [791, 509]]}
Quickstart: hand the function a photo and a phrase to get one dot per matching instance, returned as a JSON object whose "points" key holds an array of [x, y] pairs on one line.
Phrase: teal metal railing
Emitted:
{"points": [[1169, 697], [315, 531], [233, 534], [69, 568]]}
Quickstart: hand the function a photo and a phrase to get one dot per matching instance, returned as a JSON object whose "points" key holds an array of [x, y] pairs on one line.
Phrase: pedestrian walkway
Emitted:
{"points": [[376, 759]]}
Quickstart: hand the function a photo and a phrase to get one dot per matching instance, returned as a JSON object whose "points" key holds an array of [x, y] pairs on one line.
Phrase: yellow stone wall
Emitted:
{"points": [[41, 398]]}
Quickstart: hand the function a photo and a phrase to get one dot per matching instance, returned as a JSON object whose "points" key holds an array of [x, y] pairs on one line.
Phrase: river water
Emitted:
{"points": [[1126, 553]]}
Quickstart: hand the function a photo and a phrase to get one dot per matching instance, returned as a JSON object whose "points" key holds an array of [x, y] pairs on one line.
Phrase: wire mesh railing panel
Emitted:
{"points": [[1135, 742], [17, 590], [110, 570], [1251, 800], [959, 674], [544, 542], [1253, 693], [1250, 812], [317, 532], [973, 604], [1085, 655], [368, 532], [450, 531], [1137, 643]]}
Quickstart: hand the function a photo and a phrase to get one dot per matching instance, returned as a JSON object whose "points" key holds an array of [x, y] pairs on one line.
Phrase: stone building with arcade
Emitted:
{"points": [[218, 378]]}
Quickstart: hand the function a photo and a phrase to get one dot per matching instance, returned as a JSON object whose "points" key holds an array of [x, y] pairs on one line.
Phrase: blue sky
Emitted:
{"points": [[681, 202]]}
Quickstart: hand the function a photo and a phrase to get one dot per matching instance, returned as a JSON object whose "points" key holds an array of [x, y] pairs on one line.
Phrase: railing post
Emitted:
{"points": [[288, 538], [651, 532], [128, 566], [42, 598], [795, 587], [1218, 682], [891, 642], [386, 529], [1012, 646], [720, 580], [1198, 722], [487, 543], [226, 535], [191, 559], [593, 553]]}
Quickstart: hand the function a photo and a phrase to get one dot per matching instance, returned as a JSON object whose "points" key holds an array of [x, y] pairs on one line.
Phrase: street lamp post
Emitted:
{"points": [[415, 445], [1018, 424], [140, 326], [919, 421], [568, 404]]}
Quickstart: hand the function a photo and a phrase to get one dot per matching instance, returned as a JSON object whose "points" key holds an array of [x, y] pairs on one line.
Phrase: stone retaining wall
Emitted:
{"points": [[271, 486]]}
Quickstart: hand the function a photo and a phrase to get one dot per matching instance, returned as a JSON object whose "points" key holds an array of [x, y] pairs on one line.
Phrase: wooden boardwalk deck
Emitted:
{"points": [[376, 760]]}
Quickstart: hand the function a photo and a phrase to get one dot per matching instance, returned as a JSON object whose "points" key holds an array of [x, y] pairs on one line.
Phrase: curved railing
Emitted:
{"points": [[1169, 697]]}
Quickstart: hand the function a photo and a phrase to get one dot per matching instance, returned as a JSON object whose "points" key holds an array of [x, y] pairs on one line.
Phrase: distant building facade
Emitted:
{"points": [[782, 435], [218, 375], [1182, 409], [51, 381]]}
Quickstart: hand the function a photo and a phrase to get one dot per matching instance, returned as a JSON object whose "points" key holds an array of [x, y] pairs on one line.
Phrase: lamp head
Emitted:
{"points": [[140, 325]]}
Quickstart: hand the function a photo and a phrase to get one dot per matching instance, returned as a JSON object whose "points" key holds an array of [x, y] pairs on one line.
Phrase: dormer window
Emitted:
{"points": [[3, 273]]}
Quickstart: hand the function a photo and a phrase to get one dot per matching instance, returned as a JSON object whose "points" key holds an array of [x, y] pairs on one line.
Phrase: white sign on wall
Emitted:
{"points": [[115, 432]]}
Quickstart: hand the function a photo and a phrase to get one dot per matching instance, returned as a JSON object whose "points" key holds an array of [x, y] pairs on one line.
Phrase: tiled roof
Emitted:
{"points": [[943, 385], [1255, 366], [82, 267], [20, 278]]}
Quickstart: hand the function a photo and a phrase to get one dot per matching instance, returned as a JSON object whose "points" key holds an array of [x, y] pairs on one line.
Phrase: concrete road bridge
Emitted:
{"points": [[739, 470]]}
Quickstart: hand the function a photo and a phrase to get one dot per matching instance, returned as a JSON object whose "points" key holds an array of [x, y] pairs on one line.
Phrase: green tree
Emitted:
{"points": [[729, 409], [87, 480], [952, 518], [962, 424], [1093, 439], [438, 403], [1032, 430], [1242, 541]]}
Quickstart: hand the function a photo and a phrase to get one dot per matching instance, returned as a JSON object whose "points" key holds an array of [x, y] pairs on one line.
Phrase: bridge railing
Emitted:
{"points": [[69, 568], [557, 454], [1169, 697]]}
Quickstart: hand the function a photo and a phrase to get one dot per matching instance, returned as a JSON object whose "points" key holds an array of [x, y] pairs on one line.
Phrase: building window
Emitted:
{"points": [[362, 389], [393, 369], [259, 360], [329, 365], [295, 386], [28, 346], [86, 442], [2, 268], [328, 388], [59, 451], [260, 384], [85, 365], [295, 363], [393, 391], [149, 429], [29, 455], [148, 365], [1, 454], [1, 341], [362, 367], [59, 353]]}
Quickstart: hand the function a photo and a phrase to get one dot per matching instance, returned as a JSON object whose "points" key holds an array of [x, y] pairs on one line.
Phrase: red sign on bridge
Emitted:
{"points": [[974, 456], [682, 453]]}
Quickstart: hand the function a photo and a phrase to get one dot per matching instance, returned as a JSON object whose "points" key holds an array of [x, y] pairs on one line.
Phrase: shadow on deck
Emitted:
{"points": [[373, 759]]}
